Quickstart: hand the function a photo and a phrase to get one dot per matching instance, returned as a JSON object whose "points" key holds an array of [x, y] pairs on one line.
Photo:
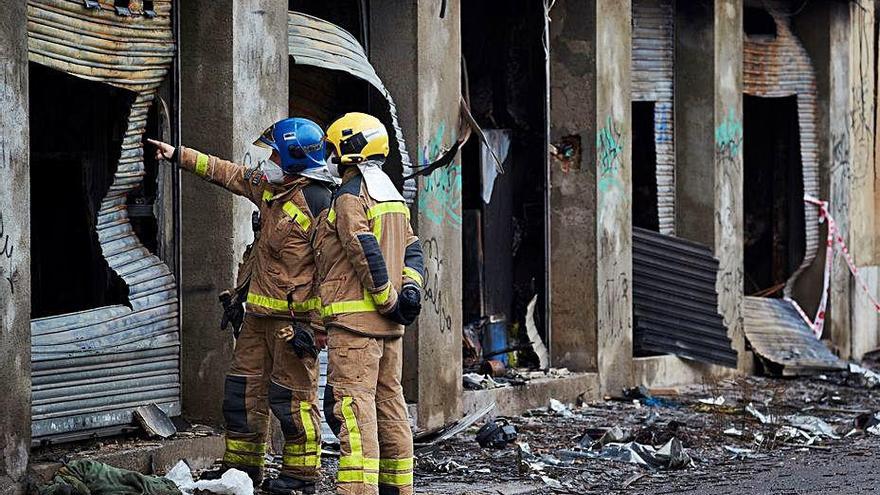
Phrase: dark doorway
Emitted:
{"points": [[773, 194], [503, 228], [644, 174], [76, 129]]}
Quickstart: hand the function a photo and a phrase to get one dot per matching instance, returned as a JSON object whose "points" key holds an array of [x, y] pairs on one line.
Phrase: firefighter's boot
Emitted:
{"points": [[285, 485]]}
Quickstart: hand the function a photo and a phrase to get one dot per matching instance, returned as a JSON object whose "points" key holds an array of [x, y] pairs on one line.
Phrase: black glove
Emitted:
{"points": [[233, 312], [410, 301], [303, 343], [407, 307]]}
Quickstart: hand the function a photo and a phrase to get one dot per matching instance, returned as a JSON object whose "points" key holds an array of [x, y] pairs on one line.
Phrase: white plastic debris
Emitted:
{"points": [[233, 481], [715, 401], [869, 378], [874, 430], [733, 432], [763, 418], [812, 424], [560, 408]]}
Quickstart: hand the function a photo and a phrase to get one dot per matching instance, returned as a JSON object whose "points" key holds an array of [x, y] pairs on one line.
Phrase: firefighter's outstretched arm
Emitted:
{"points": [[231, 176], [363, 251]]}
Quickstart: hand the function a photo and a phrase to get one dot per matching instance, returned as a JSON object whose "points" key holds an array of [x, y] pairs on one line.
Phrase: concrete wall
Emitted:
{"points": [[573, 186], [590, 199], [439, 215], [234, 84], [15, 421], [709, 150]]}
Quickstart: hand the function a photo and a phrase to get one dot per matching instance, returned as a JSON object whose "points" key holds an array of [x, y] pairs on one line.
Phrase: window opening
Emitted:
{"points": [[644, 161]]}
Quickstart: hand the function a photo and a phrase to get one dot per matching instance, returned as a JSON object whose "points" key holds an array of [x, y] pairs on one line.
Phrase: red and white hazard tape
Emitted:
{"points": [[832, 240]]}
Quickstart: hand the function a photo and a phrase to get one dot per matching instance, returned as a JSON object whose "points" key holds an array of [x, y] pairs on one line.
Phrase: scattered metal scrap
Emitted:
{"points": [[426, 440], [154, 421], [783, 340]]}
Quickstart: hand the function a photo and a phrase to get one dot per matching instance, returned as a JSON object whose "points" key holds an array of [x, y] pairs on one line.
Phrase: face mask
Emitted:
{"points": [[332, 166], [273, 172]]}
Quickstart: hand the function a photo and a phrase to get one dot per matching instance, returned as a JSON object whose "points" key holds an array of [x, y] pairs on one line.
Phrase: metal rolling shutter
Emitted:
{"points": [[92, 368], [675, 303], [653, 51]]}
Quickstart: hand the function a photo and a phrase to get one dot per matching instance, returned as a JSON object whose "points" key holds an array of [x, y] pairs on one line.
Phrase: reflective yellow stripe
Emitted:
{"points": [[357, 476], [266, 195], [375, 213], [295, 213], [350, 461], [305, 415], [386, 208], [412, 274], [301, 460], [202, 164], [252, 460], [382, 297], [356, 457], [331, 216], [396, 479], [362, 306], [307, 305], [267, 302], [247, 447], [396, 464]]}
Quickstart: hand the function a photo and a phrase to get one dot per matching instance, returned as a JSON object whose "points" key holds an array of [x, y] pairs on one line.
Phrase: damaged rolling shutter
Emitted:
{"points": [[675, 303], [319, 43], [92, 368], [652, 81]]}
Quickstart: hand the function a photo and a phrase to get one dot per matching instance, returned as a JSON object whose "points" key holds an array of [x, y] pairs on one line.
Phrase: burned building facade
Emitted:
{"points": [[631, 191]]}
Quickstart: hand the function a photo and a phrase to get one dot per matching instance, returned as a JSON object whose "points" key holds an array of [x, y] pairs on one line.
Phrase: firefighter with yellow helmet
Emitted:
{"points": [[370, 270]]}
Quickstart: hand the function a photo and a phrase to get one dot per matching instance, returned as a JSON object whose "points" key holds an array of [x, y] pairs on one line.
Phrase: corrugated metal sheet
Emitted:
{"points": [[313, 41], [674, 300], [780, 67], [653, 54], [92, 368], [779, 335]]}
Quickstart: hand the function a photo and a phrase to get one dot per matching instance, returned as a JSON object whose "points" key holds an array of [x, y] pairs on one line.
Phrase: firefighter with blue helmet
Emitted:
{"points": [[274, 364]]}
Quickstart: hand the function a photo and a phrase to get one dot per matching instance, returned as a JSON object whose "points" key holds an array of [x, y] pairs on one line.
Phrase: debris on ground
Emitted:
{"points": [[233, 482], [496, 434], [154, 421], [88, 477], [866, 377]]}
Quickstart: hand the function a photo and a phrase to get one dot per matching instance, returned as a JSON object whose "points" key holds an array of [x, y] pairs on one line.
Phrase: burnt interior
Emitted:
{"points": [[142, 201], [76, 130], [644, 163], [503, 242], [758, 23], [773, 190]]}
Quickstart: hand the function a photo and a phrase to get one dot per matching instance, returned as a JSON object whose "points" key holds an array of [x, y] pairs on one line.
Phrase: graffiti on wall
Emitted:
{"points": [[440, 193], [434, 294], [728, 137], [6, 250], [609, 151]]}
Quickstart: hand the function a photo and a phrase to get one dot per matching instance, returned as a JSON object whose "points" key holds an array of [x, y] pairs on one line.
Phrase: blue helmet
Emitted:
{"points": [[299, 143]]}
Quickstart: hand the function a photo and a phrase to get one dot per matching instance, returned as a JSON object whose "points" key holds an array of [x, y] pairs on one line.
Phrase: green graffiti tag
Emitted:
{"points": [[728, 136], [609, 147], [439, 197]]}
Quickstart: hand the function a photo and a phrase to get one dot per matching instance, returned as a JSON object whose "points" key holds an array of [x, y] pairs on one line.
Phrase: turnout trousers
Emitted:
{"points": [[267, 374], [364, 403]]}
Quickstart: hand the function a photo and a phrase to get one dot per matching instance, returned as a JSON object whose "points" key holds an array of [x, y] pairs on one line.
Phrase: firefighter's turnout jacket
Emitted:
{"points": [[365, 251], [265, 371], [283, 266]]}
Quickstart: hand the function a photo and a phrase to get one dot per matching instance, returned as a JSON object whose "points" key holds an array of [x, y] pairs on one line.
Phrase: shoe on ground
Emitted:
{"points": [[285, 485]]}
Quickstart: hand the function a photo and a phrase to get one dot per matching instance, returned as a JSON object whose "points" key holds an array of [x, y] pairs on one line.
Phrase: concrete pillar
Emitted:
{"points": [[234, 83], [590, 198], [15, 283], [709, 167], [853, 320], [418, 57]]}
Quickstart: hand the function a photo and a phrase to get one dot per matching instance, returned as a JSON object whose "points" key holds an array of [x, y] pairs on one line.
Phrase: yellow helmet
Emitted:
{"points": [[356, 137]]}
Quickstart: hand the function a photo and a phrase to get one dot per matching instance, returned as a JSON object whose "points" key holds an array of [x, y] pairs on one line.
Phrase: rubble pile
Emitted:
{"points": [[670, 438]]}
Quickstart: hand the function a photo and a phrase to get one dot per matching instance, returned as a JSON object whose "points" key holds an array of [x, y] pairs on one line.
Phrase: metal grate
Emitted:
{"points": [[675, 303]]}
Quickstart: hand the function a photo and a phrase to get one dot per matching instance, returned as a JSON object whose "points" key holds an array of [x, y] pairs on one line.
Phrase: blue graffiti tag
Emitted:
{"points": [[439, 196], [609, 146], [728, 136]]}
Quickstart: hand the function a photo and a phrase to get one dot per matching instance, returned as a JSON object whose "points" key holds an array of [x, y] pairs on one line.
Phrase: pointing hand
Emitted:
{"points": [[164, 151]]}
